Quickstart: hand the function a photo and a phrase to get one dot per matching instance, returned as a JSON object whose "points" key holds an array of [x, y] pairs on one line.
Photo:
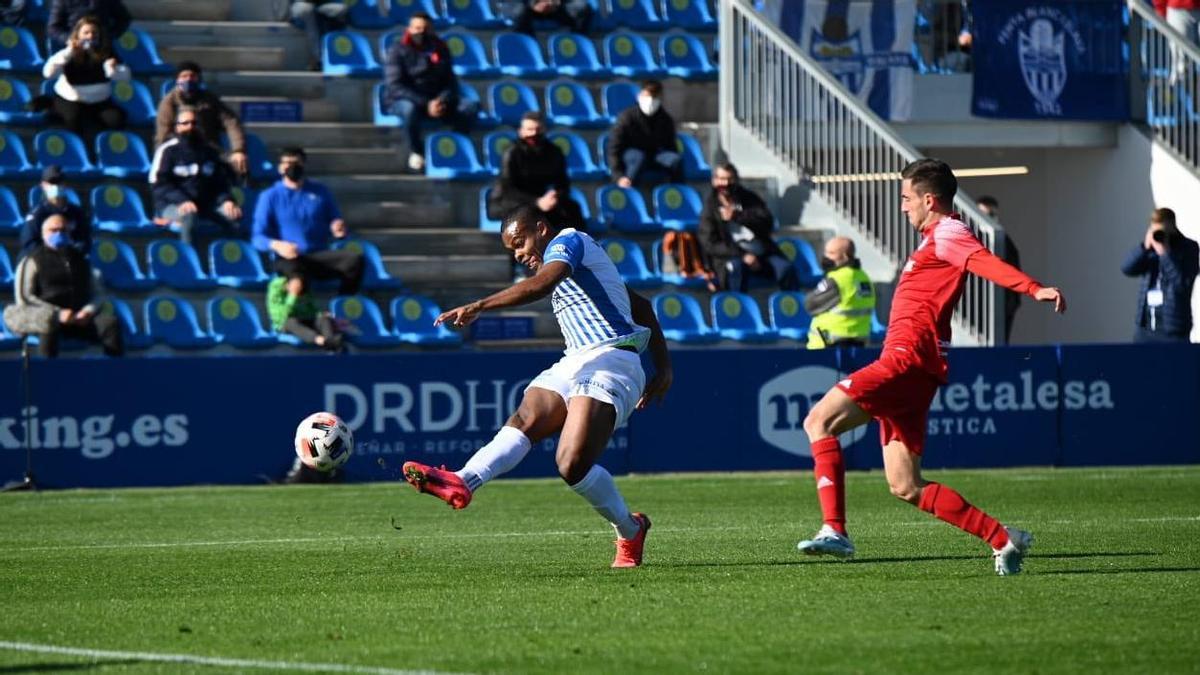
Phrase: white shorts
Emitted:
{"points": [[607, 374]]}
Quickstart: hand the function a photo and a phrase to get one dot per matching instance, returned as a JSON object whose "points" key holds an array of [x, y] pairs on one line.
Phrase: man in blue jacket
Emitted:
{"points": [[1168, 263], [421, 85]]}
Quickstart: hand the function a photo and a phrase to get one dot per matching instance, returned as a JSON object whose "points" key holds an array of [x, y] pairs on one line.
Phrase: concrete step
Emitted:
{"points": [[438, 241], [214, 58], [355, 160], [448, 269], [325, 134], [294, 84], [166, 10], [369, 215]]}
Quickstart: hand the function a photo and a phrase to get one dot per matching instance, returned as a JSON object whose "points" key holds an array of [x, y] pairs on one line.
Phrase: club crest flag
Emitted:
{"points": [[865, 44], [1050, 59]]}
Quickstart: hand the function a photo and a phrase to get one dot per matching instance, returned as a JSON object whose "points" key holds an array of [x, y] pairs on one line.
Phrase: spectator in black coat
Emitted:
{"points": [[641, 146], [534, 171], [192, 183], [66, 14], [575, 15], [420, 85], [76, 224], [735, 236]]}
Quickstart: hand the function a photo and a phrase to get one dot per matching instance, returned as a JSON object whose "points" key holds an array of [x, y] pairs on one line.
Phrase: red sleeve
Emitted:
{"points": [[954, 243], [1160, 6], [985, 264]]}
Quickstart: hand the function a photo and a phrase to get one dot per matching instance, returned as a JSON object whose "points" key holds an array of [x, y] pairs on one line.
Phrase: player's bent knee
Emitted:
{"points": [[905, 491], [817, 424], [572, 467]]}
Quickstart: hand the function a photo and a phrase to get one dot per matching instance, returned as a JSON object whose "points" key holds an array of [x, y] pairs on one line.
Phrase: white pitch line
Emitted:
{"points": [[104, 654]]}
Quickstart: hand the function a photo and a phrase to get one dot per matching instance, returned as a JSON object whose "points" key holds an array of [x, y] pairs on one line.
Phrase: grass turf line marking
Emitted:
{"points": [[104, 654]]}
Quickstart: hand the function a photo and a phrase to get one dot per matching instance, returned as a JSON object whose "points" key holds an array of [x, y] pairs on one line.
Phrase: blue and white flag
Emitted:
{"points": [[1050, 59], [866, 44]]}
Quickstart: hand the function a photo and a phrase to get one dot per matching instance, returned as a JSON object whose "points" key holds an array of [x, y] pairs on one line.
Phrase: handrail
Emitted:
{"points": [[807, 120], [1168, 72]]}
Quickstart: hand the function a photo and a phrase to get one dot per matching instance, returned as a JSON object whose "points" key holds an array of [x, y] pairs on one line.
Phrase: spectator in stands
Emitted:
{"points": [[192, 184], [1183, 16], [735, 236], [212, 115], [318, 17], [1167, 263], [55, 283], [576, 15], [534, 171], [1012, 255], [295, 219], [641, 146], [12, 12], [420, 81], [76, 224], [293, 310], [83, 93], [64, 14], [842, 303]]}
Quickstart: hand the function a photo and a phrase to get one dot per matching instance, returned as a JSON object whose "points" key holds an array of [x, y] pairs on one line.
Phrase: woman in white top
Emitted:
{"points": [[85, 70]]}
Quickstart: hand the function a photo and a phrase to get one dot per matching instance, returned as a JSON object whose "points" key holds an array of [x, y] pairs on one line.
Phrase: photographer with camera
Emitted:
{"points": [[1168, 263]]}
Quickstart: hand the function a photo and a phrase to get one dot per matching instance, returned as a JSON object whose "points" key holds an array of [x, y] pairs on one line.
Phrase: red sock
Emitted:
{"points": [[830, 472], [946, 504]]}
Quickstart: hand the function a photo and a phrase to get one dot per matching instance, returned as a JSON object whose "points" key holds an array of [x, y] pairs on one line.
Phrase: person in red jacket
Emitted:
{"points": [[1183, 16]]}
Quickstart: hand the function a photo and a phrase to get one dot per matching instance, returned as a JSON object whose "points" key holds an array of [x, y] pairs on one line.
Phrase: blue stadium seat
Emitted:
{"points": [[677, 207], [137, 50], [364, 314], [348, 54], [134, 98], [579, 158], [375, 274], [736, 317], [682, 320], [235, 263], [118, 266], [61, 147], [402, 10], [122, 155], [878, 328], [511, 100], [486, 224], [412, 322], [11, 219], [474, 14], [235, 321], [570, 104], [673, 278], [14, 98], [381, 116], [806, 260], [629, 55], [172, 321], [494, 146], [619, 96], [624, 209], [484, 119], [118, 208], [788, 316], [8, 340], [695, 166], [575, 56], [470, 56], [585, 209], [257, 159], [365, 14], [637, 14], [683, 56], [519, 55], [36, 11], [34, 196], [176, 264], [18, 50], [451, 156], [14, 163], [690, 15], [631, 263], [6, 268], [135, 337]]}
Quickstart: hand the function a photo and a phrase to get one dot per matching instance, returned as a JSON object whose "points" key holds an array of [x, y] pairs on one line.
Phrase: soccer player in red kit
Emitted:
{"points": [[898, 387]]}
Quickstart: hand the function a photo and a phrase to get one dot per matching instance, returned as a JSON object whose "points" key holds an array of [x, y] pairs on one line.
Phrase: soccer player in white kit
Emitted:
{"points": [[590, 392]]}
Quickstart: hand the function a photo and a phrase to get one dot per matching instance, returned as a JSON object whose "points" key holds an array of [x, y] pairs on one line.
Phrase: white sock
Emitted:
{"points": [[598, 488], [506, 450]]}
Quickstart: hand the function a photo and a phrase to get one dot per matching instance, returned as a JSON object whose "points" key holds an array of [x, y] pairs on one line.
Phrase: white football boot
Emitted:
{"points": [[827, 541], [1009, 558]]}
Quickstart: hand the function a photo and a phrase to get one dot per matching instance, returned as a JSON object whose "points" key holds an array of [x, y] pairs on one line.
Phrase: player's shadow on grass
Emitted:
{"points": [[60, 667]]}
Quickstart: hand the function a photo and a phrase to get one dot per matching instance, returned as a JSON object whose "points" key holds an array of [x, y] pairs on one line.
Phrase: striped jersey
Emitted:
{"points": [[592, 303]]}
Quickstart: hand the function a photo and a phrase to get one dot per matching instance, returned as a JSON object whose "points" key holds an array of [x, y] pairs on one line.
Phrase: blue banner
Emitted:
{"points": [[180, 421], [1043, 59]]}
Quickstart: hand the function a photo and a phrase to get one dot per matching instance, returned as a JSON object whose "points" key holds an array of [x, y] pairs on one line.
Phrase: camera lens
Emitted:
{"points": [[1159, 235]]}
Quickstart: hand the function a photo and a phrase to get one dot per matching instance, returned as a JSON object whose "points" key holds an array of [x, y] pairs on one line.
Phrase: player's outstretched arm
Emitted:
{"points": [[524, 292], [643, 314], [988, 265]]}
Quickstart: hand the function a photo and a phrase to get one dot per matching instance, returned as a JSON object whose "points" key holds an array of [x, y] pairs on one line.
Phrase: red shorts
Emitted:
{"points": [[897, 392]]}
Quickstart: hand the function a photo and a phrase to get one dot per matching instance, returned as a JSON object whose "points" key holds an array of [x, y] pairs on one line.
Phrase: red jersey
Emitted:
{"points": [[931, 284]]}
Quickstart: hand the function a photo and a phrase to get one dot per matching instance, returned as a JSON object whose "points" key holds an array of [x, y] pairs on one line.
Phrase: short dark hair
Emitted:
{"points": [[533, 116], [1164, 217], [653, 87], [728, 167], [185, 66], [932, 176], [421, 14], [526, 215], [988, 201], [293, 151]]}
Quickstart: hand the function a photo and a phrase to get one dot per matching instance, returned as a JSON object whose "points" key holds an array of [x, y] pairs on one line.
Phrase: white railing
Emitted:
{"points": [[1167, 68], [810, 123]]}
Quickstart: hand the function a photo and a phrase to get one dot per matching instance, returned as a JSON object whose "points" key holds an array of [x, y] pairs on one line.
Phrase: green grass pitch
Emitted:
{"points": [[370, 578]]}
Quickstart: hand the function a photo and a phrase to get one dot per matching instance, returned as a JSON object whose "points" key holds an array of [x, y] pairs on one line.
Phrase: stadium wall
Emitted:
{"points": [[181, 421]]}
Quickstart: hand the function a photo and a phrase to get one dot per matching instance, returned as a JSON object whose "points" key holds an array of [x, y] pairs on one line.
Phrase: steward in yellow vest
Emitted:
{"points": [[841, 306]]}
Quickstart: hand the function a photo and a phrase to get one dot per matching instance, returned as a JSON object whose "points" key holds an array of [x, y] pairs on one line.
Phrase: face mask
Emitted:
{"points": [[87, 45], [532, 140], [294, 172], [52, 191], [418, 39], [649, 104], [57, 239], [189, 87]]}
